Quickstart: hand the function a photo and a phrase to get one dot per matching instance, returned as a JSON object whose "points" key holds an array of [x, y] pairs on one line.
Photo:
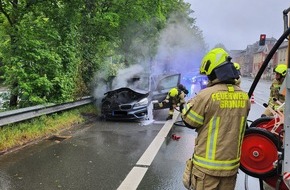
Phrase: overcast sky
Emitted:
{"points": [[238, 23]]}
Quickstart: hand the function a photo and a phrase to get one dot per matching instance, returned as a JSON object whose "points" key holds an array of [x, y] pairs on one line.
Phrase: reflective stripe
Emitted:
{"points": [[185, 108], [230, 88], [193, 116], [241, 135], [210, 161], [215, 164], [212, 138]]}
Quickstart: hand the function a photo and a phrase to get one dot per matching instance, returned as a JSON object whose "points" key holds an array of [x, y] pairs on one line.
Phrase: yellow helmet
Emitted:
{"points": [[281, 69], [213, 59], [173, 92], [237, 66]]}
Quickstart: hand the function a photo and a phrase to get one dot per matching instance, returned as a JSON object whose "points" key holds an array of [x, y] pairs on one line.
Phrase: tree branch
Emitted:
{"points": [[5, 13]]}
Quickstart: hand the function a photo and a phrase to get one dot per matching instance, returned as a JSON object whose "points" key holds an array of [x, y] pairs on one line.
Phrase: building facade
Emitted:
{"points": [[252, 58]]}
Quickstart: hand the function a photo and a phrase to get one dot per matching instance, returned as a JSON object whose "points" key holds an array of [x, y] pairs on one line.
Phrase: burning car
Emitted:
{"points": [[133, 101]]}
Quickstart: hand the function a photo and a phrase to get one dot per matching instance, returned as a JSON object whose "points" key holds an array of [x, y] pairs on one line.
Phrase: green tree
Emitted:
{"points": [[33, 64], [52, 49]]}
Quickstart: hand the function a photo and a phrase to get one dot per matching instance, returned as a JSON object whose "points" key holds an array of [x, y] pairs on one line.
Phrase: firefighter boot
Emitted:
{"points": [[169, 117]]}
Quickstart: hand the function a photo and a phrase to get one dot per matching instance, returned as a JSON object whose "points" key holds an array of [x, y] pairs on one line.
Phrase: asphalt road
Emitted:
{"points": [[112, 155]]}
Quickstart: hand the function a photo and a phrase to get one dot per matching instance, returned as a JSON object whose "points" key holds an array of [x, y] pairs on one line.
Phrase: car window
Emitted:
{"points": [[169, 82], [164, 84]]}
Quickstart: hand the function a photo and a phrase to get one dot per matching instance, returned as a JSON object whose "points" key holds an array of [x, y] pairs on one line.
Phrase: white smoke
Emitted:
{"points": [[180, 49], [102, 84], [124, 75]]}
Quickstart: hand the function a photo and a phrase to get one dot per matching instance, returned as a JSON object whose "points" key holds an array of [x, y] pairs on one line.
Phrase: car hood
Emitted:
{"points": [[124, 96], [126, 89]]}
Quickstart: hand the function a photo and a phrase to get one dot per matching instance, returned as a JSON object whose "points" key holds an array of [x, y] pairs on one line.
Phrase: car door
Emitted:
{"points": [[163, 85]]}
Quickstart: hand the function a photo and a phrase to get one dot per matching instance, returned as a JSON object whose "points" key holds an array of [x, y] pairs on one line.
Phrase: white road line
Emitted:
{"points": [[137, 173], [133, 179], [159, 122]]}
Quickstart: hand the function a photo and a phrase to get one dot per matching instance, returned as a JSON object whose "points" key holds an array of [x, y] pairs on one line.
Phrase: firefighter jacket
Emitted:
{"points": [[219, 114], [274, 93]]}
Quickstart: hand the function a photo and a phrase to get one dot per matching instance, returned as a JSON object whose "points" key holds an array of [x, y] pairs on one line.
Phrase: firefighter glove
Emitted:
{"points": [[166, 101]]}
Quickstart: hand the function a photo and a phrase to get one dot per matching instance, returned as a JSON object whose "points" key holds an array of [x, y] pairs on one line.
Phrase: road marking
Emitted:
{"points": [[137, 173], [159, 122], [133, 179]]}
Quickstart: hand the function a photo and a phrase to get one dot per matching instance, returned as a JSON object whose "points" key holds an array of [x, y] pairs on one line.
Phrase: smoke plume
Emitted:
{"points": [[180, 50]]}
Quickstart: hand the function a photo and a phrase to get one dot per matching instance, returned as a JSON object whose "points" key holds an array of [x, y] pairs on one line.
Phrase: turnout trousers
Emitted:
{"points": [[202, 181]]}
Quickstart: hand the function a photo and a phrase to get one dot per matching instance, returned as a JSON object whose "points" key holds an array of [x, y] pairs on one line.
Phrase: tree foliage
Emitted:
{"points": [[50, 50]]}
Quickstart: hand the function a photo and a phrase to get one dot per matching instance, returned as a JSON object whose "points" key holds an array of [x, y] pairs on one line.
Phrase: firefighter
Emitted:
{"points": [[175, 98], [238, 67], [275, 97], [218, 114], [183, 93]]}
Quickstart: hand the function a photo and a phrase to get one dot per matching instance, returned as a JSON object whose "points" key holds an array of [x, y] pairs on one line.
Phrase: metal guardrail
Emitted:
{"points": [[14, 116]]}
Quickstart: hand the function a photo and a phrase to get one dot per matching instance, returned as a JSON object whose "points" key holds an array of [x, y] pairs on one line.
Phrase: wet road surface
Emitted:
{"points": [[101, 154], [98, 156]]}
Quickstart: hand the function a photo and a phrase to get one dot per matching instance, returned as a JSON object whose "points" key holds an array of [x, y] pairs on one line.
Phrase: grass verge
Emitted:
{"points": [[19, 134]]}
